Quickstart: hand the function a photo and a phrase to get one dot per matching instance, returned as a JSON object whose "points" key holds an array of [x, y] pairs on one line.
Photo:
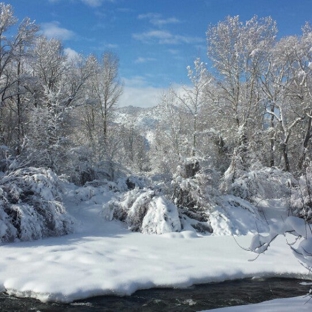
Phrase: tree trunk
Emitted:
{"points": [[19, 112], [285, 156], [272, 141]]}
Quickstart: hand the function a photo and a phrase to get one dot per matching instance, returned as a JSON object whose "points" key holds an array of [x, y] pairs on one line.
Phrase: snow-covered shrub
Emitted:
{"points": [[144, 210], [265, 183], [236, 216], [193, 189], [301, 195], [31, 206], [132, 182], [78, 168], [161, 217]]}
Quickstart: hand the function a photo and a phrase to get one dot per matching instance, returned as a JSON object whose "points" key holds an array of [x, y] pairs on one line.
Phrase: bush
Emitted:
{"points": [[265, 183], [144, 210], [31, 206]]}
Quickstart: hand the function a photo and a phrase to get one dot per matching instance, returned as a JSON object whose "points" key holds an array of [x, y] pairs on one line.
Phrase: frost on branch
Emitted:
{"points": [[31, 207], [144, 211]]}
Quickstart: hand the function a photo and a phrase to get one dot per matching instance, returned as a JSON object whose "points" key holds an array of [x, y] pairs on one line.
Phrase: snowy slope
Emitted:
{"points": [[105, 258]]}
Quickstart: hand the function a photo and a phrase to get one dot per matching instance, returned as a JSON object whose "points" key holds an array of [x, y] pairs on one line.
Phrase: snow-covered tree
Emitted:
{"points": [[105, 90], [14, 77], [238, 53], [58, 90], [102, 95], [192, 99]]}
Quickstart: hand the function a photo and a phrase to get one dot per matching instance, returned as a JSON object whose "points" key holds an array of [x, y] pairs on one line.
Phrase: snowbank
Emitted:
{"points": [[278, 305]]}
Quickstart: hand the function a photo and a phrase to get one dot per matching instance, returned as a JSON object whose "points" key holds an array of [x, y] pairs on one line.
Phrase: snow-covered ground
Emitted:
{"points": [[301, 304], [104, 257]]}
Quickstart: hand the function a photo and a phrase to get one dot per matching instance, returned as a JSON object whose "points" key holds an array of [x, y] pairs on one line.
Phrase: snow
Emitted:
{"points": [[104, 257], [114, 261], [278, 305], [235, 216]]}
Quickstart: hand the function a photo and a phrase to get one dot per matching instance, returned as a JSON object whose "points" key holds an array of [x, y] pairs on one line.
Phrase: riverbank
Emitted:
{"points": [[110, 260]]}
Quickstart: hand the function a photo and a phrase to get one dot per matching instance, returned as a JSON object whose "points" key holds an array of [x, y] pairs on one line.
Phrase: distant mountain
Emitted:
{"points": [[144, 120], [131, 110]]}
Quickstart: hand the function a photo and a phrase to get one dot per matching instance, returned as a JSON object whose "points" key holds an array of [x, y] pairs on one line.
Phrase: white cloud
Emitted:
{"points": [[157, 20], [140, 97], [53, 30], [102, 46], [187, 39], [174, 51], [153, 34], [91, 3], [161, 22], [149, 16], [144, 60], [71, 54], [160, 35], [111, 46], [95, 3], [165, 37], [138, 93], [135, 81]]}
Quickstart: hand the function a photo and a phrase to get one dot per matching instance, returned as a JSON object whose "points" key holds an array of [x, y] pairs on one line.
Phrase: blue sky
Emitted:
{"points": [[154, 39]]}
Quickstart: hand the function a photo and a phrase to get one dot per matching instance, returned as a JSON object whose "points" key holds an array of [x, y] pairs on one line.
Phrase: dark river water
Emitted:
{"points": [[196, 298]]}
